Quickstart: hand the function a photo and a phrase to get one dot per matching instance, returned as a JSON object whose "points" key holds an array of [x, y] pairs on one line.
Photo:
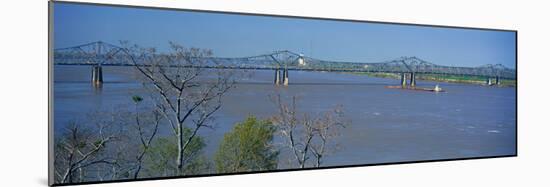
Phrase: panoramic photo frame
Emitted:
{"points": [[142, 93]]}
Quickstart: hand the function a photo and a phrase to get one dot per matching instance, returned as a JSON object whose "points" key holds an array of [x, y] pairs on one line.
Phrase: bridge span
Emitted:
{"points": [[98, 54]]}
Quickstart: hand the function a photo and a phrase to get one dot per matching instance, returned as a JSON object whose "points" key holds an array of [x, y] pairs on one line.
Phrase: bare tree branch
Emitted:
{"points": [[305, 136]]}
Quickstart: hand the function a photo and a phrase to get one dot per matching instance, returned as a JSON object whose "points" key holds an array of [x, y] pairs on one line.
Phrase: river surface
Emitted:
{"points": [[387, 125]]}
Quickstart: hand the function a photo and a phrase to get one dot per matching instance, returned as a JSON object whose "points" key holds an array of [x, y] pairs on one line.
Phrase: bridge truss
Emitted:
{"points": [[102, 53]]}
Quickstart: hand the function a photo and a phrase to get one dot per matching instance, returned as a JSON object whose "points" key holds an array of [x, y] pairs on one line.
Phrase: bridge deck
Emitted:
{"points": [[111, 55]]}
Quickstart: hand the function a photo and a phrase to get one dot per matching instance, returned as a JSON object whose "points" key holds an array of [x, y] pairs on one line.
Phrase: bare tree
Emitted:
{"points": [[326, 128], [108, 145], [186, 93], [145, 134], [304, 135], [80, 149]]}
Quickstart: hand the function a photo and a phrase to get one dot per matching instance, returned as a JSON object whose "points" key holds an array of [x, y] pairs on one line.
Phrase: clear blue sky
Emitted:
{"points": [[243, 35]]}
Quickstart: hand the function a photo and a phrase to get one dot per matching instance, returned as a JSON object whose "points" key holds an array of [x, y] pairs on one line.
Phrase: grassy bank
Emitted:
{"points": [[442, 78]]}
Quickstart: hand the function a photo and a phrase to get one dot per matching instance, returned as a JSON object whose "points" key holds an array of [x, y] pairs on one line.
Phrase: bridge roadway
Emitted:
{"points": [[98, 54]]}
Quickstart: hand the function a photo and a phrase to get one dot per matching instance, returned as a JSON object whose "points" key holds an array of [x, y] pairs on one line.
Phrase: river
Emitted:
{"points": [[387, 125]]}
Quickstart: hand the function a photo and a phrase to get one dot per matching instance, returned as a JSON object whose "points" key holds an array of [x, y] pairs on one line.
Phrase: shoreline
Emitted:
{"points": [[443, 78]]}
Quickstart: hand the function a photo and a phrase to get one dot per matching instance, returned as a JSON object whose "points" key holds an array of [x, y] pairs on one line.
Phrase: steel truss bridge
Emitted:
{"points": [[97, 54]]}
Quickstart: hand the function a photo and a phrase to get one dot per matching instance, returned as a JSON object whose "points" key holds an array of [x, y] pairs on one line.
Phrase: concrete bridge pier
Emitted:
{"points": [[489, 81], [277, 80], [285, 77], [403, 80], [97, 75], [413, 79]]}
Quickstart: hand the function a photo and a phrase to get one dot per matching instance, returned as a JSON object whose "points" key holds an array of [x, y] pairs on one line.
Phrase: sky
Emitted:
{"points": [[231, 35]]}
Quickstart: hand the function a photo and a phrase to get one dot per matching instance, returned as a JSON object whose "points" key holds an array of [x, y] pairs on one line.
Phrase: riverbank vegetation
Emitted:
{"points": [[158, 133], [248, 147], [126, 145]]}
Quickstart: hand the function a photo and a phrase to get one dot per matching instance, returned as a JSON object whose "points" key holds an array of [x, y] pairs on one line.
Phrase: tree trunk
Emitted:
{"points": [[180, 147]]}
